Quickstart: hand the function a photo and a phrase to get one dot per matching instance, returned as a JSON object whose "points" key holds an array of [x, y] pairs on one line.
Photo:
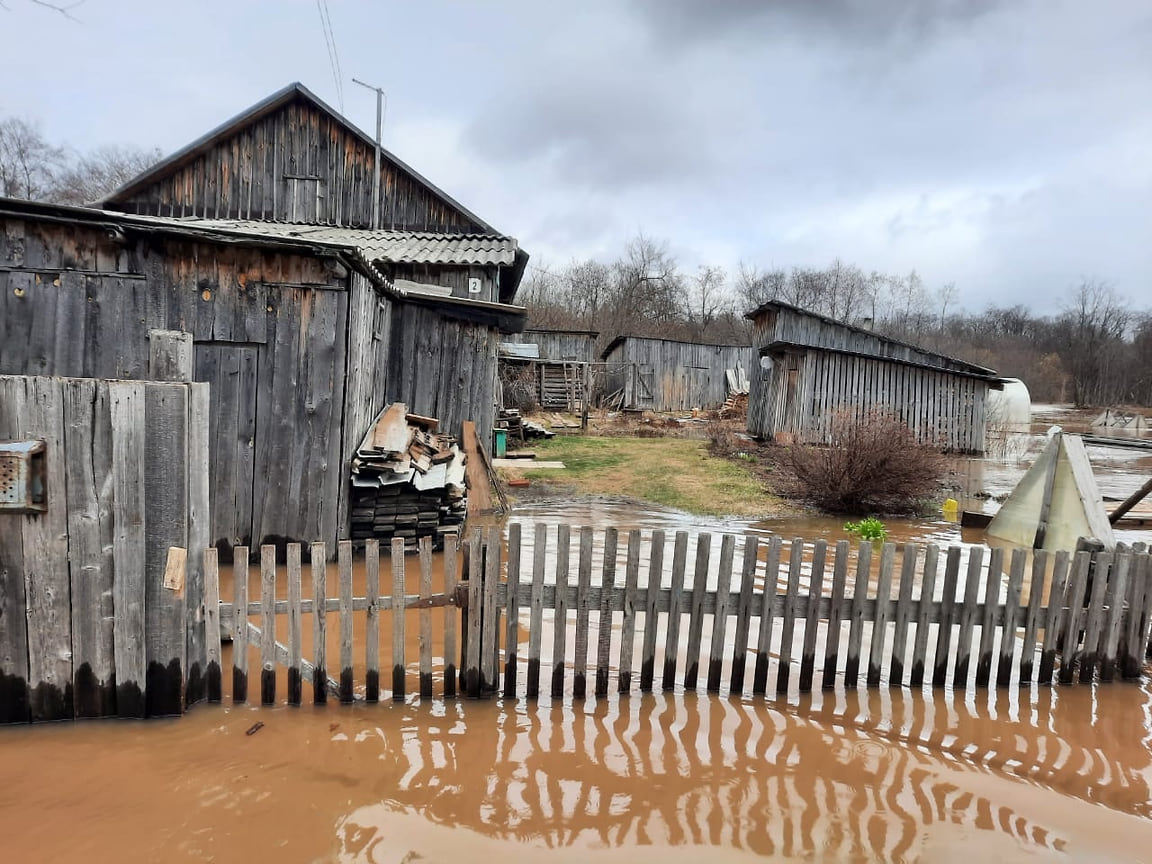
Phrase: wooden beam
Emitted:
{"points": [[1130, 502]]}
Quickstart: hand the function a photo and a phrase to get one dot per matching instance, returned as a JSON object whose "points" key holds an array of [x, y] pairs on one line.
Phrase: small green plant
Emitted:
{"points": [[869, 528]]}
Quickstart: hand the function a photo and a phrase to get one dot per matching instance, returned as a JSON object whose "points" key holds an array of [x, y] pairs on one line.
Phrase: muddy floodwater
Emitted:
{"points": [[1037, 773]]}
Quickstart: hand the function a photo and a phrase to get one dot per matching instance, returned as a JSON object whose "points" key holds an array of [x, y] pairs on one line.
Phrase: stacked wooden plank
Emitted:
{"points": [[407, 480]]}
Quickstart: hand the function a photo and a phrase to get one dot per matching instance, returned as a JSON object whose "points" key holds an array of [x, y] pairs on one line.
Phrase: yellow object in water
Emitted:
{"points": [[951, 509]]}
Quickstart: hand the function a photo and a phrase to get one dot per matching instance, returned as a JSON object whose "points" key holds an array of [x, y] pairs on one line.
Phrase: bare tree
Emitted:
{"points": [[28, 163], [709, 298], [87, 178], [1095, 321]]}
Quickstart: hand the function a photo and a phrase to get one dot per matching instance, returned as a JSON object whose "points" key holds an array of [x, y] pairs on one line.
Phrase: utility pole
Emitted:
{"points": [[376, 172]]}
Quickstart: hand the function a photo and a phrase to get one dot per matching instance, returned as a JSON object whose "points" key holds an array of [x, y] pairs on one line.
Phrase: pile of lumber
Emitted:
{"points": [[408, 480]]}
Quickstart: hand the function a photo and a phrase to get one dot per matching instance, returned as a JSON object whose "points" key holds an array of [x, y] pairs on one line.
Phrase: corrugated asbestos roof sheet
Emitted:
{"points": [[391, 247]]}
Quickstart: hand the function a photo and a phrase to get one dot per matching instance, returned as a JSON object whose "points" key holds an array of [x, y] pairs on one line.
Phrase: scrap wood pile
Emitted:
{"points": [[737, 402], [407, 480]]}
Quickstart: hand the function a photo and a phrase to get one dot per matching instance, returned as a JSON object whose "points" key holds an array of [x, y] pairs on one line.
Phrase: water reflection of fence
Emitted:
{"points": [[912, 616]]}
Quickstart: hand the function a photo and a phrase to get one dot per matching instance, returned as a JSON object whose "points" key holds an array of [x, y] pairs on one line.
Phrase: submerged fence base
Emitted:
{"points": [[594, 616]]}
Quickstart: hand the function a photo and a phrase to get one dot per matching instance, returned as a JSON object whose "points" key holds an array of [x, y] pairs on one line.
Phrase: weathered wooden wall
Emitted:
{"points": [[559, 344], [795, 327], [664, 375], [444, 367], [454, 276], [270, 332], [88, 627], [296, 164], [799, 393]]}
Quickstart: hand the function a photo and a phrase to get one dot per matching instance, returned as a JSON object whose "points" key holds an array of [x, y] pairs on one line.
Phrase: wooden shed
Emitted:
{"points": [[812, 368], [552, 363], [556, 344], [666, 375], [303, 341]]}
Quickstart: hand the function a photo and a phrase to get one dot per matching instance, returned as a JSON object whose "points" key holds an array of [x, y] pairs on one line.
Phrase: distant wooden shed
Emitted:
{"points": [[812, 368], [558, 344], [666, 375]]}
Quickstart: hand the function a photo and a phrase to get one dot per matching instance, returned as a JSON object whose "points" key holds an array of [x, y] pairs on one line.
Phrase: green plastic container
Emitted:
{"points": [[501, 442]]}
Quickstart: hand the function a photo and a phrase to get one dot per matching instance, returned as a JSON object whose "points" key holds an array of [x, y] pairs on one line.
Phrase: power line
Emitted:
{"points": [[333, 55]]}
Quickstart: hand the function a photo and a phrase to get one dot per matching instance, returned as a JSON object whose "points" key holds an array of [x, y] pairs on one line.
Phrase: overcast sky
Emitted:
{"points": [[1005, 146]]}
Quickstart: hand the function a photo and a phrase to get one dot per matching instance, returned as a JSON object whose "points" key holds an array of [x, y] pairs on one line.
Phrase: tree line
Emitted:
{"points": [[33, 167], [1096, 351]]}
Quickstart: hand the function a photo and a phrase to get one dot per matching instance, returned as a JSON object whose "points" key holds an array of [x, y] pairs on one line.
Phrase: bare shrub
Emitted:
{"points": [[518, 382], [871, 464]]}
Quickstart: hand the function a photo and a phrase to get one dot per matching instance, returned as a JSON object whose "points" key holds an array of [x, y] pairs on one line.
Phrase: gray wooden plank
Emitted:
{"points": [[856, 627], [126, 408], [450, 614], [560, 621], [967, 619], [199, 538], [240, 625], [399, 624], [696, 610], [213, 669], [812, 615], [88, 470], [904, 613], [675, 609], [488, 673], [426, 618], [267, 624], [988, 616], [1011, 609], [1074, 613], [1095, 616], [744, 616], [1132, 656], [788, 625], [949, 615], [651, 616], [923, 609], [1110, 636], [169, 355], [512, 637], [880, 619], [1032, 618], [295, 625], [583, 599], [14, 706], [372, 620], [1051, 616], [318, 570], [835, 614], [536, 610], [344, 574], [720, 615], [604, 630], [474, 563], [628, 626]]}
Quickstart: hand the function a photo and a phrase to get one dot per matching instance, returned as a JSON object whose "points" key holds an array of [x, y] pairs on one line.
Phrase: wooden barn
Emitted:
{"points": [[257, 240], [813, 368], [553, 364], [666, 375]]}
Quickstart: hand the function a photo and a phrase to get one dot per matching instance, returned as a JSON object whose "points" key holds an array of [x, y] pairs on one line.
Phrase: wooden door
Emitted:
{"points": [[231, 370]]}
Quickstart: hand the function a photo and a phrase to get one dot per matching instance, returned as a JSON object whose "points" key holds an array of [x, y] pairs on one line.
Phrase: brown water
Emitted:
{"points": [[1048, 774]]}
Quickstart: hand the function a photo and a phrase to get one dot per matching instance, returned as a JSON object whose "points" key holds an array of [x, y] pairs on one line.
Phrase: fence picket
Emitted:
{"points": [[812, 616], [474, 562], [880, 619], [696, 610], [604, 630], [767, 608], [1032, 621], [344, 563], [372, 620], [1011, 607], [903, 614], [490, 623], [856, 628], [267, 625], [923, 612], [968, 617], [1110, 637], [1133, 653], [1074, 601], [583, 599], [835, 614], [988, 616], [512, 636], [295, 623], [628, 628], [675, 608], [788, 625], [720, 617], [940, 660], [451, 611], [1094, 623], [240, 625], [425, 546], [1053, 619], [560, 620], [743, 616], [318, 569], [536, 610], [212, 622], [648, 646]]}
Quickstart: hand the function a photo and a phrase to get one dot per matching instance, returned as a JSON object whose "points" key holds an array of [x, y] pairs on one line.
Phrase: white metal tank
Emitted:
{"points": [[1010, 409]]}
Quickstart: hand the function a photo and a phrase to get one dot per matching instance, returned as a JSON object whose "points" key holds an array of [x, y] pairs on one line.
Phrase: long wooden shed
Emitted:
{"points": [[813, 368], [666, 375]]}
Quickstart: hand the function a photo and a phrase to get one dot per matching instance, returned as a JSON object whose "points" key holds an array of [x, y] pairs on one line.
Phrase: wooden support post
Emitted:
{"points": [[399, 582], [1095, 615], [835, 614], [788, 627], [425, 618], [948, 617], [812, 616], [767, 608], [604, 630], [1074, 600], [295, 622], [212, 622], [512, 602], [472, 638], [675, 608], [344, 563], [1053, 619], [988, 616], [268, 625], [317, 568], [720, 618], [240, 625], [903, 614], [628, 628], [1032, 622], [743, 616], [1111, 635], [489, 641], [1011, 607], [372, 620], [968, 617], [696, 610], [535, 612], [856, 628], [450, 614], [923, 611], [880, 620]]}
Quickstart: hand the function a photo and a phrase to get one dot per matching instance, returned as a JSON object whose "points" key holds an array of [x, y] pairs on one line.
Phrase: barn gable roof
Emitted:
{"points": [[294, 93]]}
